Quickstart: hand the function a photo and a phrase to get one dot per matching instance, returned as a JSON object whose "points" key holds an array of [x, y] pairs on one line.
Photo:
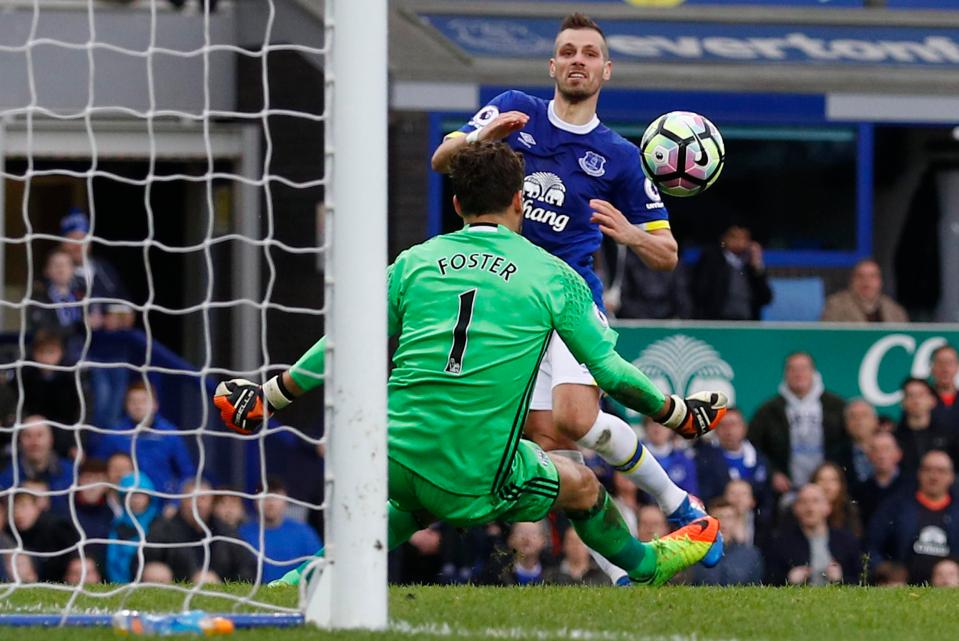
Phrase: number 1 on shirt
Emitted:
{"points": [[454, 364]]}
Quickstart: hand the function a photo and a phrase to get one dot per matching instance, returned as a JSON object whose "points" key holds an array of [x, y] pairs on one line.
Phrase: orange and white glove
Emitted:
{"points": [[697, 414], [241, 402]]}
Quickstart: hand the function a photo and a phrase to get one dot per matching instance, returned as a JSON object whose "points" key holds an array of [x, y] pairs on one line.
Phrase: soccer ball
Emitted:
{"points": [[682, 153]]}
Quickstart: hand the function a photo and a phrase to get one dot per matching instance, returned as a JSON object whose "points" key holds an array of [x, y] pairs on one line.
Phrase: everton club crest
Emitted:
{"points": [[593, 164]]}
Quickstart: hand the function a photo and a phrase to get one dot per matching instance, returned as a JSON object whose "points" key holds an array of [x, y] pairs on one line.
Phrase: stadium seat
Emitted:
{"points": [[795, 299]]}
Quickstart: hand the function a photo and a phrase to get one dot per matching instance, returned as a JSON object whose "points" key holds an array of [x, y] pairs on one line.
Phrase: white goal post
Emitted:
{"points": [[352, 586]]}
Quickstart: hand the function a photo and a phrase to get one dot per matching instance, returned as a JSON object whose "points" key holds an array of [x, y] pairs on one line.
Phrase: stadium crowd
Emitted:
{"points": [[126, 445], [730, 282], [811, 489]]}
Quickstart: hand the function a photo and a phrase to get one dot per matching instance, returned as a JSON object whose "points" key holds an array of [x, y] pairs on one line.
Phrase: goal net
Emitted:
{"points": [[193, 190]]}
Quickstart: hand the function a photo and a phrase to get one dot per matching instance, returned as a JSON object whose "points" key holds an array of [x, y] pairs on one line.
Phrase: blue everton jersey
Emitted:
{"points": [[566, 166]]}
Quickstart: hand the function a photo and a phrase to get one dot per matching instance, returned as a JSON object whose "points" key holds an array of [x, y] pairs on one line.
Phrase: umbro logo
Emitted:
{"points": [[526, 139]]}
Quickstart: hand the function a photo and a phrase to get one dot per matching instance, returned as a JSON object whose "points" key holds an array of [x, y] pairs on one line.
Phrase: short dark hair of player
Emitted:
{"points": [[579, 20], [485, 176]]}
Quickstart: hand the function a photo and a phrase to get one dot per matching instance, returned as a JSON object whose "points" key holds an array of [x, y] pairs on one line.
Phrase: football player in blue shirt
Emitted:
{"points": [[582, 181]]}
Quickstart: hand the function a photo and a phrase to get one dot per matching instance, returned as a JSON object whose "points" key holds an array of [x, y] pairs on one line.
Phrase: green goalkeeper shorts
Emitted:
{"points": [[527, 495]]}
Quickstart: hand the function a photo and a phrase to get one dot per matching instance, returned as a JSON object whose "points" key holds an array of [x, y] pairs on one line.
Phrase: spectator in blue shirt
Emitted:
{"points": [[287, 543], [160, 450], [712, 473], [101, 281], [141, 508], [91, 274], [743, 459], [746, 463], [37, 461], [678, 463]]}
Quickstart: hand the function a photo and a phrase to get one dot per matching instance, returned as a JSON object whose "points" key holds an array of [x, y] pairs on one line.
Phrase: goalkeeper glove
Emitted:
{"points": [[241, 406], [695, 415]]}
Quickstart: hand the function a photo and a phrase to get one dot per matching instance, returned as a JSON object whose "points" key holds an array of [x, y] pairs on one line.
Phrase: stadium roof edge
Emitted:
{"points": [[730, 13], [422, 52]]}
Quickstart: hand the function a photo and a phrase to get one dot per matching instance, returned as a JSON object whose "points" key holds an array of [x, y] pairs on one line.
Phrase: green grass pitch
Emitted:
{"points": [[584, 614]]}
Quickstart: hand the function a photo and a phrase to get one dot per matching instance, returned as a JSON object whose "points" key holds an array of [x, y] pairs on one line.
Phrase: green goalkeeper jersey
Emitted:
{"points": [[474, 311]]}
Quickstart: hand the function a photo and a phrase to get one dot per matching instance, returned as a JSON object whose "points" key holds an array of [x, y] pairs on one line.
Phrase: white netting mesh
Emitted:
{"points": [[107, 105]]}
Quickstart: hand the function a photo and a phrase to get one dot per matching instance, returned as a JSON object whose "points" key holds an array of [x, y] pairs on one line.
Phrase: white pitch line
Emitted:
{"points": [[446, 630]]}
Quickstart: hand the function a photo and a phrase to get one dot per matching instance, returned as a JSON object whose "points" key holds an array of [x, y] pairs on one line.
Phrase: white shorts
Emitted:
{"points": [[559, 366]]}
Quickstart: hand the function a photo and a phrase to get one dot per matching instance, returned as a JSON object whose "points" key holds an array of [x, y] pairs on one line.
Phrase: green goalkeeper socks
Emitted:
{"points": [[602, 528]]}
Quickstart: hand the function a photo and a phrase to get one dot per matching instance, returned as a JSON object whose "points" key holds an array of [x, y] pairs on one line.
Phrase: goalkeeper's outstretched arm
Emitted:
{"points": [[307, 372], [241, 401]]}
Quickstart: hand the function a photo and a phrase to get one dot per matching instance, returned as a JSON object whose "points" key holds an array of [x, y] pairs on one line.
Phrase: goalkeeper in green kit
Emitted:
{"points": [[474, 311]]}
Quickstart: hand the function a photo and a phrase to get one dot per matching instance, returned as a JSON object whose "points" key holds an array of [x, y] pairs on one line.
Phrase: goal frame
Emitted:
{"points": [[350, 591]]}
